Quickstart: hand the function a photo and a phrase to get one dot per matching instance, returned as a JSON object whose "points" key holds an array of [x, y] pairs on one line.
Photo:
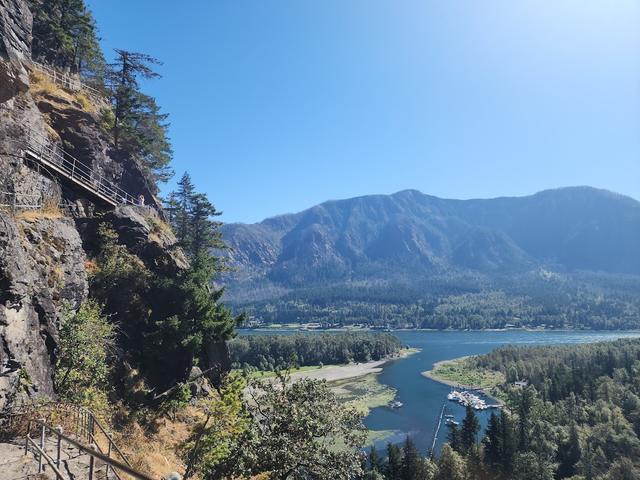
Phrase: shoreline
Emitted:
{"points": [[430, 374], [483, 389], [444, 330], [334, 373]]}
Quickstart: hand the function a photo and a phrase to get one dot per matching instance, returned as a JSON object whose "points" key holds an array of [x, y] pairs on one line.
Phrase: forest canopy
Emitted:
{"points": [[271, 352]]}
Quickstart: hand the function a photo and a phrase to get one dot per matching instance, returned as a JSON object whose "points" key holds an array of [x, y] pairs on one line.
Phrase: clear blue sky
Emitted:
{"points": [[277, 105]]}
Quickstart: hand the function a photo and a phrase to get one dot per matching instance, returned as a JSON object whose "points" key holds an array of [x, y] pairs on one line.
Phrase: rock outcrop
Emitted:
{"points": [[41, 268], [43, 250]]}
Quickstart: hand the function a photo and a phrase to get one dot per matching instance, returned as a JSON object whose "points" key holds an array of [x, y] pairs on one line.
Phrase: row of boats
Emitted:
{"points": [[469, 399]]}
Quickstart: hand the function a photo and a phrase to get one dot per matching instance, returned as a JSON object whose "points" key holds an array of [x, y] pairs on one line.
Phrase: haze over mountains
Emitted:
{"points": [[410, 235]]}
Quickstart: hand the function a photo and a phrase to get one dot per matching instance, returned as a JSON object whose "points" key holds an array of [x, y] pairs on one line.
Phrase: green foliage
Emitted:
{"points": [[295, 427], [393, 470], [191, 216], [581, 301], [469, 430], [218, 436], [451, 465], [65, 35], [578, 416], [139, 129], [168, 321], [453, 437], [86, 343], [271, 352]]}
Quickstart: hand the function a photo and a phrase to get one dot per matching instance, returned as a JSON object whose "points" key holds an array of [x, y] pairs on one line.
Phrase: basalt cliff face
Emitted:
{"points": [[43, 250]]}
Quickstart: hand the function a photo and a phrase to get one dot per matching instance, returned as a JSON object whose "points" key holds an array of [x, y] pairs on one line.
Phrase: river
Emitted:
{"points": [[423, 398]]}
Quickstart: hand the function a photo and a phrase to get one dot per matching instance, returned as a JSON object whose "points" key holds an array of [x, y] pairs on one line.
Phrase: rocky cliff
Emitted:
{"points": [[47, 226]]}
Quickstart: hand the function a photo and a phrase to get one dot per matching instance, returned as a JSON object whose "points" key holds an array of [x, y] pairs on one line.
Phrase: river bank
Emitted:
{"points": [[332, 373], [462, 373]]}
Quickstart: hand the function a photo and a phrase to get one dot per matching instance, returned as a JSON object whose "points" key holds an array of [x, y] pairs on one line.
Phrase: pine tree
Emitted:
{"points": [[508, 443], [453, 437], [475, 468], [205, 233], [393, 470], [410, 460], [65, 35], [493, 447], [375, 463], [183, 198], [450, 465], [569, 454], [525, 403], [139, 129], [470, 429]]}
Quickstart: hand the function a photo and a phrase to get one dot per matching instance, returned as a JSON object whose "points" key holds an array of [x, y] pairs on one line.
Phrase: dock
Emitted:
{"points": [[437, 430]]}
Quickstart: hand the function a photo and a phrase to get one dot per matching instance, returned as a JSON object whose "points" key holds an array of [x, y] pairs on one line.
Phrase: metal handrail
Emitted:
{"points": [[69, 82], [111, 444], [42, 149], [93, 452], [42, 454]]}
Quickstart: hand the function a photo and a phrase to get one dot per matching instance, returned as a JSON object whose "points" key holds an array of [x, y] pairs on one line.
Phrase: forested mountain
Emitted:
{"points": [[401, 248]]}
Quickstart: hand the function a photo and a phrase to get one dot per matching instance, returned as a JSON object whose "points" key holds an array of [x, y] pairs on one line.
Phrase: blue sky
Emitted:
{"points": [[277, 105]]}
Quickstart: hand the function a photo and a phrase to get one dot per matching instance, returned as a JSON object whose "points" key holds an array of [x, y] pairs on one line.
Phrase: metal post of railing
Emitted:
{"points": [[108, 454], [59, 431], [26, 441], [42, 439], [91, 465]]}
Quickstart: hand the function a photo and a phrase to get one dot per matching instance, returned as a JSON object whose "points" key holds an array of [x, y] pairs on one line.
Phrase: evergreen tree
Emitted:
{"points": [[475, 466], [453, 437], [139, 129], [525, 403], [507, 442], [375, 463], [569, 454], [527, 466], [469, 430], [394, 462], [205, 233], [411, 461], [493, 446], [65, 35], [450, 465], [183, 199]]}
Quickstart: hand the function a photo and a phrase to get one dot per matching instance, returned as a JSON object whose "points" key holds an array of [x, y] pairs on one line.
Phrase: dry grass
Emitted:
{"points": [[160, 227], [49, 210], [156, 448], [42, 87]]}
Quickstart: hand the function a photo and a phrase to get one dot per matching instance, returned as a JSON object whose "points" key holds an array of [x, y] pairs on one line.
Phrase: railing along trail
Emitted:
{"points": [[39, 149], [73, 83], [85, 433]]}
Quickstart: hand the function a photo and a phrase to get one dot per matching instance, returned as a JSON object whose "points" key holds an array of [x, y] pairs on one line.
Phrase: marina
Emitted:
{"points": [[466, 398]]}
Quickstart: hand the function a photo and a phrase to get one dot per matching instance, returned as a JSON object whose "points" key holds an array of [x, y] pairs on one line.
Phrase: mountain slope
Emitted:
{"points": [[409, 236]]}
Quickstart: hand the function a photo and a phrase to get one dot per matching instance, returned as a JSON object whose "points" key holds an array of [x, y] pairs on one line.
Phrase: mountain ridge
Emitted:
{"points": [[410, 235]]}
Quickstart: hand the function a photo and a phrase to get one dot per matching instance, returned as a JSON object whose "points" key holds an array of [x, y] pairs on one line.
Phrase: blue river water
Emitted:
{"points": [[423, 398]]}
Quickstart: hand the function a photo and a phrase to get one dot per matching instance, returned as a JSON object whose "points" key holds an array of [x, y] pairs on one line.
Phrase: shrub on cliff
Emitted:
{"points": [[83, 364]]}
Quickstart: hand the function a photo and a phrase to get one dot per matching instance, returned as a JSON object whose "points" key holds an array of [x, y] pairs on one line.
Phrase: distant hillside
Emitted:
{"points": [[414, 239]]}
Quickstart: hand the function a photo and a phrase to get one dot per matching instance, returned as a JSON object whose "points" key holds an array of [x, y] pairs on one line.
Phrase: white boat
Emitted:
{"points": [[395, 404], [468, 399]]}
